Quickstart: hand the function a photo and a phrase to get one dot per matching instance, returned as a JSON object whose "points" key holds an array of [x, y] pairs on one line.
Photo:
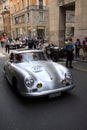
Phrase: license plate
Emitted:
{"points": [[54, 95]]}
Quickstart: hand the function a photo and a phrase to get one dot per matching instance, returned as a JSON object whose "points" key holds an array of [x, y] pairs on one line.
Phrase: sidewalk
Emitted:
{"points": [[2, 50], [81, 59]]}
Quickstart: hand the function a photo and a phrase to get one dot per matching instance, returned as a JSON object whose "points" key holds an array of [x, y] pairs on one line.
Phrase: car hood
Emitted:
{"points": [[44, 71]]}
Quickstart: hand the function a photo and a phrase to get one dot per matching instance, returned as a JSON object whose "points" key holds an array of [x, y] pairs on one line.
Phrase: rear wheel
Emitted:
{"points": [[15, 87], [54, 57]]}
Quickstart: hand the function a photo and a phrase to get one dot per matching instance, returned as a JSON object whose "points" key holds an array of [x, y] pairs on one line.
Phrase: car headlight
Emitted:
{"points": [[68, 79], [68, 75], [28, 82]]}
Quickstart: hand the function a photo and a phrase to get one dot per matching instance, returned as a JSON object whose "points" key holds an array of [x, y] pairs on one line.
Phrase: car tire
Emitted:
{"points": [[5, 74], [15, 87], [4, 71], [54, 57], [14, 84]]}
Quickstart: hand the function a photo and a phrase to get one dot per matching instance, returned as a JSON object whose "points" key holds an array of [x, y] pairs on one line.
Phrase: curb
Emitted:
{"points": [[80, 60]]}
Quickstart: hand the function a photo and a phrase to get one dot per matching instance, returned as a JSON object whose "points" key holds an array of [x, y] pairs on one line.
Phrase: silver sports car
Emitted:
{"points": [[32, 74]]}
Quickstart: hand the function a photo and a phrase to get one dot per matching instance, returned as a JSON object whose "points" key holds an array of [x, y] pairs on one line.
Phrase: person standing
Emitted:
{"points": [[85, 47], [2, 42], [28, 42], [69, 48], [34, 43], [66, 41], [77, 47], [7, 43]]}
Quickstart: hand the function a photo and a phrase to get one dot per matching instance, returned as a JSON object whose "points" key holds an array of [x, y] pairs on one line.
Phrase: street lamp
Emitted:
{"points": [[1, 21], [5, 15]]}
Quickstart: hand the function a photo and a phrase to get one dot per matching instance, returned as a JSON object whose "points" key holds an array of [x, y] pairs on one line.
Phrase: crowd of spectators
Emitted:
{"points": [[80, 47]]}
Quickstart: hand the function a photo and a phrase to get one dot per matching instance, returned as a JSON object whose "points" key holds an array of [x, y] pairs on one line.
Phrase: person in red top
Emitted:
{"points": [[2, 42], [85, 47], [85, 42]]}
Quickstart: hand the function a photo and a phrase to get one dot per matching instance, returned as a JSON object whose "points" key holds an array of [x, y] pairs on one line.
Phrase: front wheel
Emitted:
{"points": [[15, 87], [14, 84], [54, 57]]}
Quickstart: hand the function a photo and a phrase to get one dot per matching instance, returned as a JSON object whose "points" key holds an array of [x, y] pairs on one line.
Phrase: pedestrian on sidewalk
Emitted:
{"points": [[66, 41], [7, 43], [77, 47], [69, 48], [2, 42], [85, 47]]}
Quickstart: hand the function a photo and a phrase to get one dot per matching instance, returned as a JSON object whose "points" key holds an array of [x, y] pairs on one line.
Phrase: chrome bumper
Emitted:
{"points": [[47, 92]]}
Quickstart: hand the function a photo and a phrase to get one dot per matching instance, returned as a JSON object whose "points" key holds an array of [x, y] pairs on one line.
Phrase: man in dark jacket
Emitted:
{"points": [[7, 43], [77, 47], [69, 48]]}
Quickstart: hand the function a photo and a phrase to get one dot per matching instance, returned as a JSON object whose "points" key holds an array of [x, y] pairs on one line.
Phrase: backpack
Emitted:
{"points": [[86, 43]]}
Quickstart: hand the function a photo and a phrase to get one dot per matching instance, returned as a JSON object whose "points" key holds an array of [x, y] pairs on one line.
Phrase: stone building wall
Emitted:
{"points": [[1, 20], [30, 11], [53, 21], [57, 21], [81, 19]]}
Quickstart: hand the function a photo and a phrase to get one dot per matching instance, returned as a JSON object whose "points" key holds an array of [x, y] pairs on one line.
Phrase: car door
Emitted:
{"points": [[10, 67]]}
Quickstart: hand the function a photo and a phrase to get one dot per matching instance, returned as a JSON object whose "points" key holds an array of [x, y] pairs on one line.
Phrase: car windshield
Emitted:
{"points": [[30, 56]]}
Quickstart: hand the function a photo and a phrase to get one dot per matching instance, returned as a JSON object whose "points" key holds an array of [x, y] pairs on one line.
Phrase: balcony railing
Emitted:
{"points": [[37, 7], [2, 1], [33, 7]]}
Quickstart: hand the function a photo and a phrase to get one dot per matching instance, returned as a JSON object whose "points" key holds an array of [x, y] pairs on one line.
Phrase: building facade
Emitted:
{"points": [[67, 18], [1, 20], [29, 18], [5, 24]]}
